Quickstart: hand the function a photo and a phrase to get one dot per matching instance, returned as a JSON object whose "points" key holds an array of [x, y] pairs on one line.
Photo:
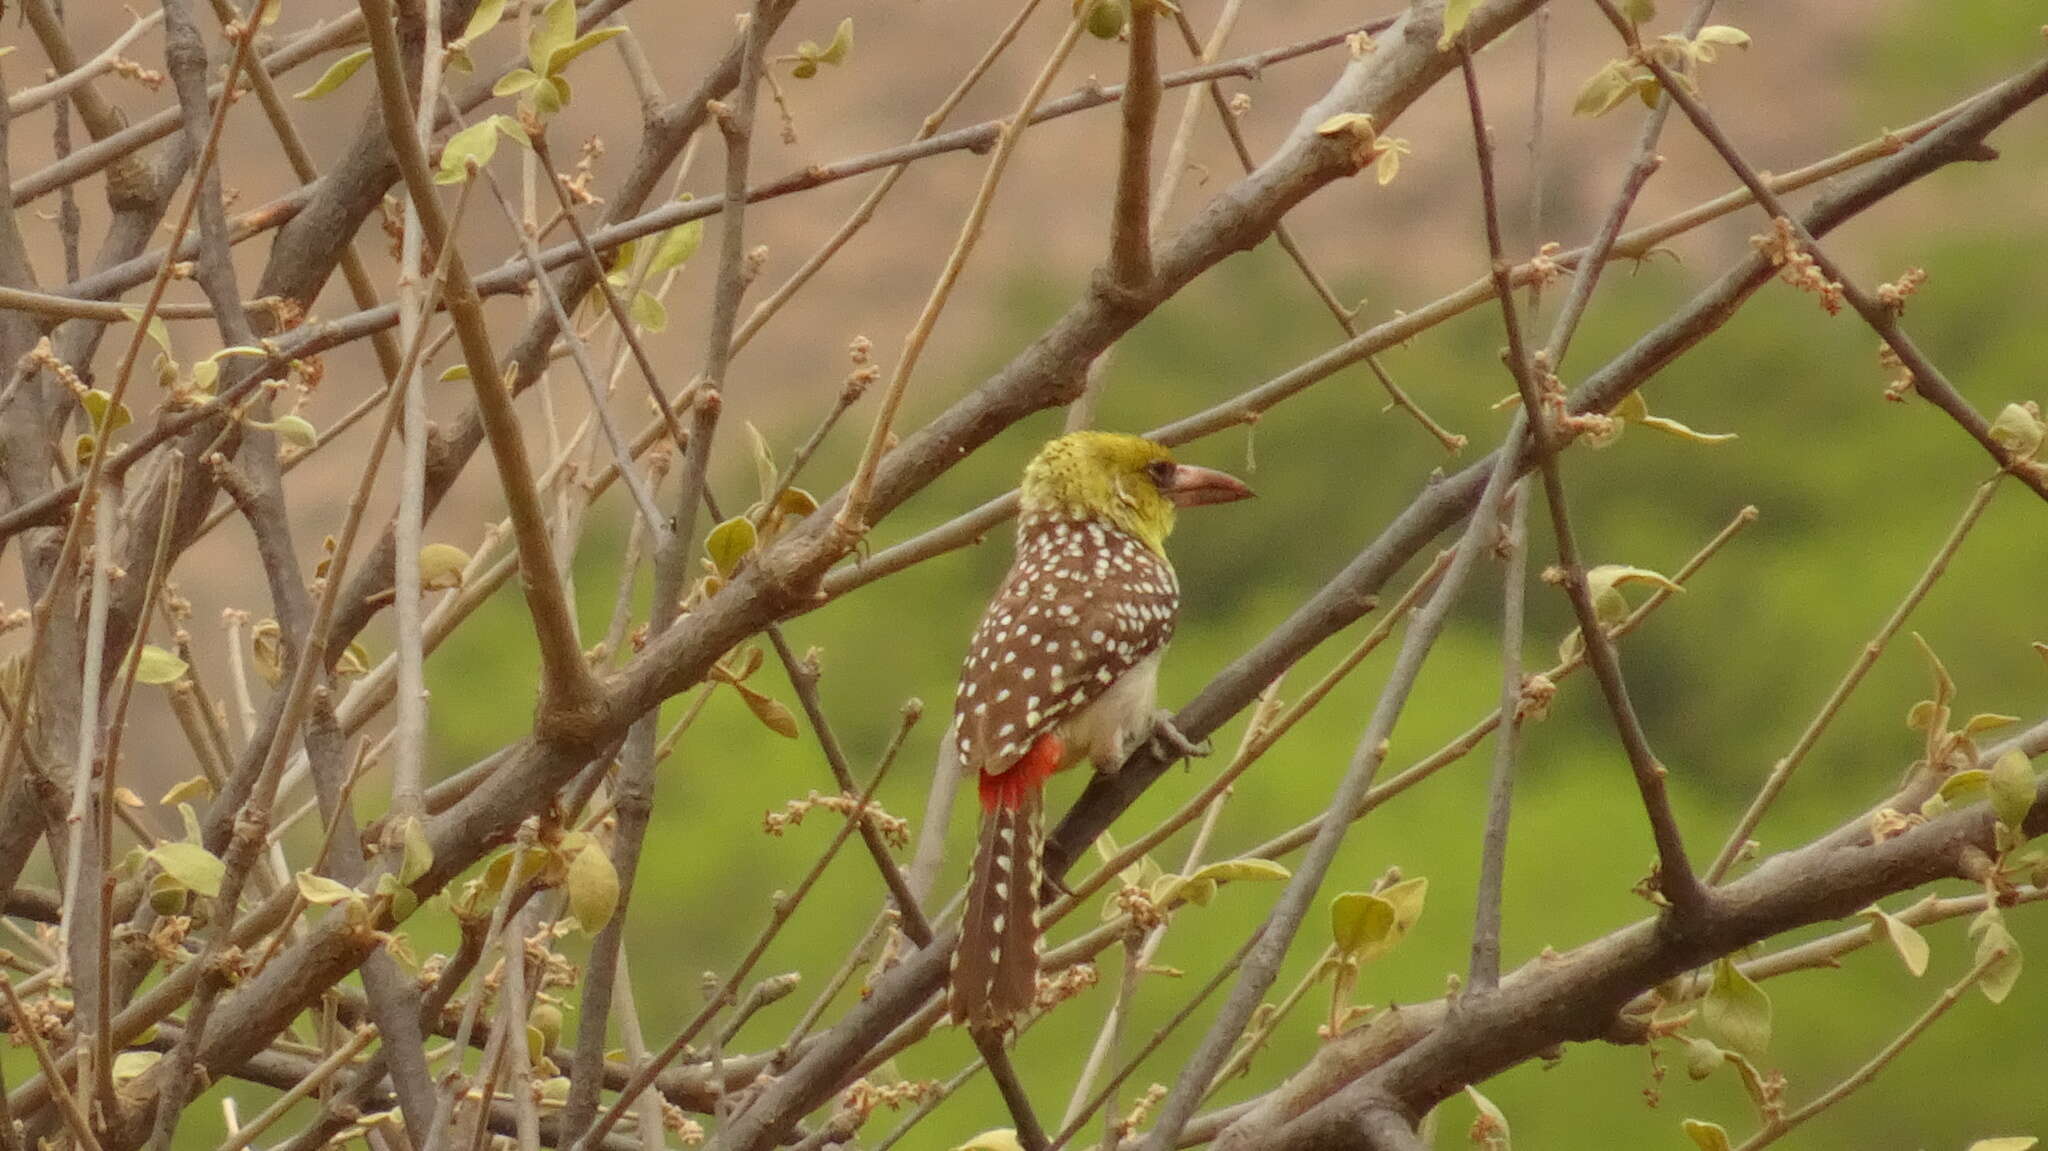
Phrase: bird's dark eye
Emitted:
{"points": [[1160, 471]]}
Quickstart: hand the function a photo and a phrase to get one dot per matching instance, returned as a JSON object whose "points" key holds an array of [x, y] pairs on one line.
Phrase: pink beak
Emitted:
{"points": [[1191, 486]]}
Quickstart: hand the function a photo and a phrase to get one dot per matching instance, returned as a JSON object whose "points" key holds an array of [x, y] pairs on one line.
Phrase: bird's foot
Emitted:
{"points": [[1169, 744]]}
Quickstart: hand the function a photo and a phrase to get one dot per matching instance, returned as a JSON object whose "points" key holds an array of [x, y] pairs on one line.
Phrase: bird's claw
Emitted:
{"points": [[1169, 744]]}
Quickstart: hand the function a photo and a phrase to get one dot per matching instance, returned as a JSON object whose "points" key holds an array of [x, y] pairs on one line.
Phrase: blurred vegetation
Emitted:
{"points": [[1855, 494]]}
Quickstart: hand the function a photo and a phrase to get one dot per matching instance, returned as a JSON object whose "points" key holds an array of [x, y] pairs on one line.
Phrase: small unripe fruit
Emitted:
{"points": [[546, 1018], [1106, 18]]}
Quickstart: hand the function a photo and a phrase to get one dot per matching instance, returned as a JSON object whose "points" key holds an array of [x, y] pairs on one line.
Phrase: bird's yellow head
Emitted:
{"points": [[1129, 481]]}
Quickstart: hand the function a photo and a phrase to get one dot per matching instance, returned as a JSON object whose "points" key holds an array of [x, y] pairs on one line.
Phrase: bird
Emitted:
{"points": [[1063, 667]]}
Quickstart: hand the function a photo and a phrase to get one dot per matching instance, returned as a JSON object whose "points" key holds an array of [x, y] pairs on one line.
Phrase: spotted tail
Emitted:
{"points": [[995, 968]]}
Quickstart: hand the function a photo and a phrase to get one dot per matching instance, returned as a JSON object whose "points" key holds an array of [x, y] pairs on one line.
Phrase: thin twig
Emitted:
{"points": [[1676, 879], [1866, 658], [851, 519], [1484, 971]]}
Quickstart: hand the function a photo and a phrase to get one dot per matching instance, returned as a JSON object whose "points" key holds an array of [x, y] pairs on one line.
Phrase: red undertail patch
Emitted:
{"points": [[1006, 790]]}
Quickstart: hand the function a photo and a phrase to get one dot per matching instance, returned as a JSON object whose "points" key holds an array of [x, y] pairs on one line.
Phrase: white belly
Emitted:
{"points": [[1107, 729]]}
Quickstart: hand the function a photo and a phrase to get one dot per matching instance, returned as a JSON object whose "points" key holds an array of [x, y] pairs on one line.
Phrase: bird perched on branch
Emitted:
{"points": [[1064, 667]]}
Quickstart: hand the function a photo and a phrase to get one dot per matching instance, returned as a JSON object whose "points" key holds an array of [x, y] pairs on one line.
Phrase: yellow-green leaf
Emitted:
{"points": [[1904, 938], [676, 247], [485, 18], [1707, 1136], [322, 891], [154, 665], [441, 566], [198, 787], [294, 430], [729, 543], [2019, 430], [191, 865], [129, 1065], [593, 885], [418, 857], [1000, 1139], [1674, 428], [648, 312], [2012, 788], [1736, 1012], [1490, 1130], [515, 82], [551, 33], [1358, 920], [476, 143], [2006, 1143], [106, 415], [1242, 870], [1992, 937], [1605, 90], [1965, 787], [1988, 721], [1456, 14], [456, 372], [579, 46], [1603, 584], [336, 75], [770, 711]]}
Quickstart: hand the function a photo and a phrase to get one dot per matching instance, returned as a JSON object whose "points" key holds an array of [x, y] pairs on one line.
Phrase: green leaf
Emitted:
{"points": [[729, 543], [593, 885], [322, 891], [1707, 1136], [647, 312], [1640, 11], [1456, 14], [478, 143], [1736, 1012], [154, 665], [2012, 788], [336, 75], [579, 46], [1000, 1139], [676, 247], [550, 34], [456, 372], [1904, 937], [193, 866], [419, 853]]}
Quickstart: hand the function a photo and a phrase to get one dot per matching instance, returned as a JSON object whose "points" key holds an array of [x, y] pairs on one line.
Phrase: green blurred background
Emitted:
{"points": [[1855, 495]]}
